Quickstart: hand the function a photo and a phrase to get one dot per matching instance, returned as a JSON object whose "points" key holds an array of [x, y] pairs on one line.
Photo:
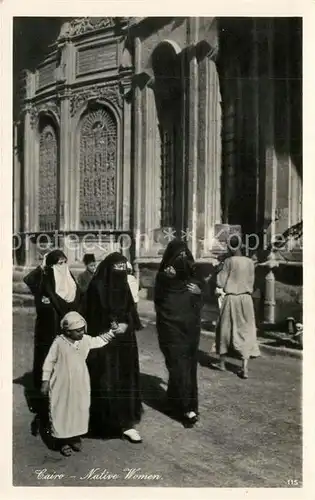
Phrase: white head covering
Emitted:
{"points": [[72, 321], [65, 285]]}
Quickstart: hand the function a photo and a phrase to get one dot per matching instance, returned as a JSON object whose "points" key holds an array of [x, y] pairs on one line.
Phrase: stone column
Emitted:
{"points": [[137, 158], [66, 215], [126, 84], [16, 180], [214, 154], [209, 155], [28, 171], [64, 164], [255, 110], [270, 172], [192, 154], [17, 200], [151, 167], [270, 158]]}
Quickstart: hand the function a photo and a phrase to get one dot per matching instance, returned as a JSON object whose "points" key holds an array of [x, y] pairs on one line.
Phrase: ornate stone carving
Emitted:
{"points": [[48, 159], [98, 162], [109, 93], [43, 107], [81, 25]]}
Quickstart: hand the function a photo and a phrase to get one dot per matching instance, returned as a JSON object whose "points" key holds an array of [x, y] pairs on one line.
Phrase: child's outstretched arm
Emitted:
{"points": [[48, 367], [101, 340]]}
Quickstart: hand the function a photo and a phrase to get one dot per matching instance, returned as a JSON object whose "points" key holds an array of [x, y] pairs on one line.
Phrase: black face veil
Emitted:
{"points": [[178, 255], [113, 285]]}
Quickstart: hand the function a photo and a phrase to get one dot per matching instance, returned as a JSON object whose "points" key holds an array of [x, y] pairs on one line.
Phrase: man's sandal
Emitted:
{"points": [[243, 375]]}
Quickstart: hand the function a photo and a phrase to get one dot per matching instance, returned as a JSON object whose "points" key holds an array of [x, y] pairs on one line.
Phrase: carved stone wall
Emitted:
{"points": [[110, 93], [48, 107]]}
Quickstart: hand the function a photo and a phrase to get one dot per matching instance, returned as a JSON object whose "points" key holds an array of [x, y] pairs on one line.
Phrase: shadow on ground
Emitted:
{"points": [[208, 361], [36, 404], [154, 396]]}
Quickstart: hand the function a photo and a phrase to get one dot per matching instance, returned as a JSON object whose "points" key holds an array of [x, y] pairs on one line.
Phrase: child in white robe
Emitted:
{"points": [[66, 381]]}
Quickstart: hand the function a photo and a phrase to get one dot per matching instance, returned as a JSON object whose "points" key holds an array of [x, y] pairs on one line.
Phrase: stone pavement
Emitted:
{"points": [[249, 434], [209, 317]]}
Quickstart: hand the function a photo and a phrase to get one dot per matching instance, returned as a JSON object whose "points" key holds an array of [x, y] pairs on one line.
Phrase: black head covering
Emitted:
{"points": [[54, 256], [112, 288], [88, 258], [183, 267]]}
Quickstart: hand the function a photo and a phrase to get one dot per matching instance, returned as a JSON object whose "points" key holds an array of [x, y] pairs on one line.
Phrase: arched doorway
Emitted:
{"points": [[168, 90]]}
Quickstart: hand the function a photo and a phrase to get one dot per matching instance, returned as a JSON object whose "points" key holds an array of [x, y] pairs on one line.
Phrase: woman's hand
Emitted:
{"points": [[44, 388], [170, 272], [122, 327], [219, 292], [193, 288]]}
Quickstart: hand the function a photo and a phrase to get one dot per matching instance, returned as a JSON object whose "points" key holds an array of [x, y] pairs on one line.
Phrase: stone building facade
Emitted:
{"points": [[131, 129]]}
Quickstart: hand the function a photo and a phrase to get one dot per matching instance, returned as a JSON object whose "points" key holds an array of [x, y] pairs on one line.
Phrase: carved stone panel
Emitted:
{"points": [[96, 58], [48, 166], [81, 25], [109, 93], [98, 166], [44, 107], [46, 75]]}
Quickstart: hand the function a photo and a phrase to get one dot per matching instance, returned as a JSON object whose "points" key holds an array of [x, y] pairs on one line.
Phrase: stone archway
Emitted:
{"points": [[166, 63]]}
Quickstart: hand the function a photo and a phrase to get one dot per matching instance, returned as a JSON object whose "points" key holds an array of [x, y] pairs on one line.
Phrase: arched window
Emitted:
{"points": [[98, 166], [48, 173]]}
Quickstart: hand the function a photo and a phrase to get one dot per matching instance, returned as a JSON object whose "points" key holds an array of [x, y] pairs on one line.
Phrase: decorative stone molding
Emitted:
{"points": [[64, 93], [81, 25], [110, 93], [35, 110]]}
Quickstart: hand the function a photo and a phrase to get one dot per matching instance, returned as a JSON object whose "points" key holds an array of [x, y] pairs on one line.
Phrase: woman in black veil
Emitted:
{"points": [[115, 394], [55, 292], [178, 319]]}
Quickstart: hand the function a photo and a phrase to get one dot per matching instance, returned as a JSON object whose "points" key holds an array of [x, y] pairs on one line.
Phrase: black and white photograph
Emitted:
{"points": [[157, 252]]}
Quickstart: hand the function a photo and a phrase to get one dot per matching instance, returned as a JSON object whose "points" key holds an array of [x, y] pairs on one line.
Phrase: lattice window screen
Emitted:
{"points": [[48, 166], [167, 174], [98, 167]]}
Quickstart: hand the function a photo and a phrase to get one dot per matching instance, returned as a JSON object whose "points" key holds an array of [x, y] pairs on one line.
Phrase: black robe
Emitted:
{"points": [[48, 316], [114, 369], [178, 322]]}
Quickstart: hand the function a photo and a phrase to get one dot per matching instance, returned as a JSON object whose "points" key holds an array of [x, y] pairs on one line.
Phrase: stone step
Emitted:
{"points": [[22, 300], [19, 287]]}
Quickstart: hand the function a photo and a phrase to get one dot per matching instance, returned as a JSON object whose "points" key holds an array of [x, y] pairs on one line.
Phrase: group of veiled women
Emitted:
{"points": [[86, 363]]}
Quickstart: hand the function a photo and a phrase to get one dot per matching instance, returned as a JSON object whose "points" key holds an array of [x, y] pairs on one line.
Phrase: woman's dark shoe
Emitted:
{"points": [[35, 426], [190, 419]]}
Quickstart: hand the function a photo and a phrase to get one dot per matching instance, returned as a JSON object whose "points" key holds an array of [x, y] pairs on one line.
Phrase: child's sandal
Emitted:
{"points": [[77, 446], [66, 450]]}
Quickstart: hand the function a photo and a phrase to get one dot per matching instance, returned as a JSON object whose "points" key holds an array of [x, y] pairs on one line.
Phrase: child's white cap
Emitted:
{"points": [[72, 321]]}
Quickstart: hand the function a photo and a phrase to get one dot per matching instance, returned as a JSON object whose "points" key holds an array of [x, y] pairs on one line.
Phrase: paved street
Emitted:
{"points": [[249, 434]]}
